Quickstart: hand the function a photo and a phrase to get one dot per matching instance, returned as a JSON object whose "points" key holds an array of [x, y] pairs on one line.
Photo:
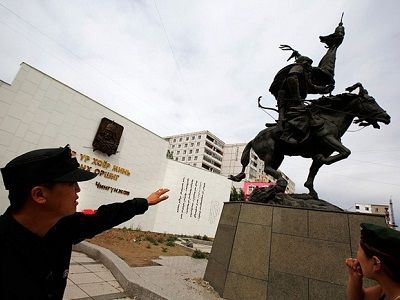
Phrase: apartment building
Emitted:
{"points": [[231, 165], [379, 209], [199, 149], [205, 150]]}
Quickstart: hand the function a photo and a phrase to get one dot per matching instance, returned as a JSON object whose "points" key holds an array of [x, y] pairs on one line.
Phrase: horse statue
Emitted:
{"points": [[335, 114]]}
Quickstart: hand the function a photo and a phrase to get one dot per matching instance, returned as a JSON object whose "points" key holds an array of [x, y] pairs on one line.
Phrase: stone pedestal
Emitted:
{"points": [[262, 251]]}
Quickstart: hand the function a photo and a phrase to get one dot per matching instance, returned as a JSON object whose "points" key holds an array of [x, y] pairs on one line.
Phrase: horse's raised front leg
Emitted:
{"points": [[316, 164], [337, 146]]}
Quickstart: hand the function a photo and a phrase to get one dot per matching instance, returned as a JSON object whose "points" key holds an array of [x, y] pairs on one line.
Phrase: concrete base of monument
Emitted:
{"points": [[263, 251]]}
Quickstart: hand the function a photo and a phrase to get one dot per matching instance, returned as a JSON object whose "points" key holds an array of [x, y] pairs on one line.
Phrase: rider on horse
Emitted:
{"points": [[294, 82], [290, 87]]}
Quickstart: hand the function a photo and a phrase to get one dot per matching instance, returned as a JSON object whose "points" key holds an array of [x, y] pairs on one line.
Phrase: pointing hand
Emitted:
{"points": [[157, 196]]}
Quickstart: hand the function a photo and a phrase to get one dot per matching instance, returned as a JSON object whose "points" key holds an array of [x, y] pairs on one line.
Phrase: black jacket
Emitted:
{"points": [[33, 267]]}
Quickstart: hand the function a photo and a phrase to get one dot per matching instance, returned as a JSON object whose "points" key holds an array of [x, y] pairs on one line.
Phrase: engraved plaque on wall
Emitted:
{"points": [[107, 137]]}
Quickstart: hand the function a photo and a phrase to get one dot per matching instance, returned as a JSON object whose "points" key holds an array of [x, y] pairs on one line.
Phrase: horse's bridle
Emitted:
{"points": [[363, 108], [360, 99]]}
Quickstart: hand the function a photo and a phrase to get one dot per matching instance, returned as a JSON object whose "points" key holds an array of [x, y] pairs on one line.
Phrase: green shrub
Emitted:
{"points": [[152, 240], [206, 238], [197, 236], [199, 254], [172, 238], [170, 243], [164, 249], [148, 246]]}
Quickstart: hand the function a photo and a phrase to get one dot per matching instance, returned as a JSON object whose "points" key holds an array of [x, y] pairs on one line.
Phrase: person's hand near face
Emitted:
{"points": [[354, 267]]}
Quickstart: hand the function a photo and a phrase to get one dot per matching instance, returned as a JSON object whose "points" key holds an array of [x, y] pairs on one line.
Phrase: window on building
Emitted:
{"points": [[197, 150], [183, 159], [189, 158], [195, 158], [194, 165], [191, 144], [199, 137], [178, 152], [185, 145], [173, 146], [190, 151], [174, 140], [184, 151], [198, 143], [376, 209], [367, 208], [180, 139], [179, 146], [176, 158], [357, 207], [187, 138], [192, 137]]}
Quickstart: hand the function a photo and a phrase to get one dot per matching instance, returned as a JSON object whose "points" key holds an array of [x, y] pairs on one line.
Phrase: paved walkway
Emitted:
{"points": [[89, 279], [177, 278]]}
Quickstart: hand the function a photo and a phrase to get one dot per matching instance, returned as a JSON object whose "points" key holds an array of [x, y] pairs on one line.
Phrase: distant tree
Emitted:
{"points": [[237, 196], [234, 195], [241, 196]]}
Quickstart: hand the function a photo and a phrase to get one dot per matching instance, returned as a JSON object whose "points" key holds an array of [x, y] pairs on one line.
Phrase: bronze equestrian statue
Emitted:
{"points": [[335, 114], [311, 130]]}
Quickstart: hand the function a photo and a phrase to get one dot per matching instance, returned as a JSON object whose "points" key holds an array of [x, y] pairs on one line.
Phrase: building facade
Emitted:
{"points": [[200, 149], [378, 209], [203, 149], [38, 111], [363, 208], [232, 165]]}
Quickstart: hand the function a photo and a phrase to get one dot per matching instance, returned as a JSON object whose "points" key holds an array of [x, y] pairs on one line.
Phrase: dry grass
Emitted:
{"points": [[139, 248]]}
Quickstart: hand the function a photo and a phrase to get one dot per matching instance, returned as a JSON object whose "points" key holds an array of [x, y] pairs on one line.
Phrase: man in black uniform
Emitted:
{"points": [[40, 226]]}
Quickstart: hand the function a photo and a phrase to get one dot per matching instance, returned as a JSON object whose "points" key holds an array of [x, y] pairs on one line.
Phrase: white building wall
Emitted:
{"points": [[195, 204], [37, 111], [363, 208], [41, 112]]}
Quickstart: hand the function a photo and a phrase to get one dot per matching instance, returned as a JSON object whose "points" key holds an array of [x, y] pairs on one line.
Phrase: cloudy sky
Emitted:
{"points": [[182, 66]]}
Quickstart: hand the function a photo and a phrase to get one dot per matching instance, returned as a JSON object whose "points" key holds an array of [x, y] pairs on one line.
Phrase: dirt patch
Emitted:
{"points": [[139, 248]]}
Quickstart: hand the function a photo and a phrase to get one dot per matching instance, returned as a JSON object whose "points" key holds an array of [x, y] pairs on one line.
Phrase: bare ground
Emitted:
{"points": [[139, 248]]}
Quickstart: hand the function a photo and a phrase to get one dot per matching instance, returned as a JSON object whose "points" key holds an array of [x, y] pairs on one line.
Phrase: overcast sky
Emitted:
{"points": [[182, 66]]}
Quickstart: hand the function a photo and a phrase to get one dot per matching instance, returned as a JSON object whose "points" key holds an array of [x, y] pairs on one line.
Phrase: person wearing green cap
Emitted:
{"points": [[378, 258], [41, 224]]}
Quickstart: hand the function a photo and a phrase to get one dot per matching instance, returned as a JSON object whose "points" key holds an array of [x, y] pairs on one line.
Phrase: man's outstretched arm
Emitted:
{"points": [[80, 226]]}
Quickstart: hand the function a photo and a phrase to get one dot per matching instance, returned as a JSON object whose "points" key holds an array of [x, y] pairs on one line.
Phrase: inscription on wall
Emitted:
{"points": [[190, 200], [104, 169]]}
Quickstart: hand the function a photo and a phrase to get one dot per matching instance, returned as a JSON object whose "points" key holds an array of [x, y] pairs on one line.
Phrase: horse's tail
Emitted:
{"points": [[245, 160]]}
